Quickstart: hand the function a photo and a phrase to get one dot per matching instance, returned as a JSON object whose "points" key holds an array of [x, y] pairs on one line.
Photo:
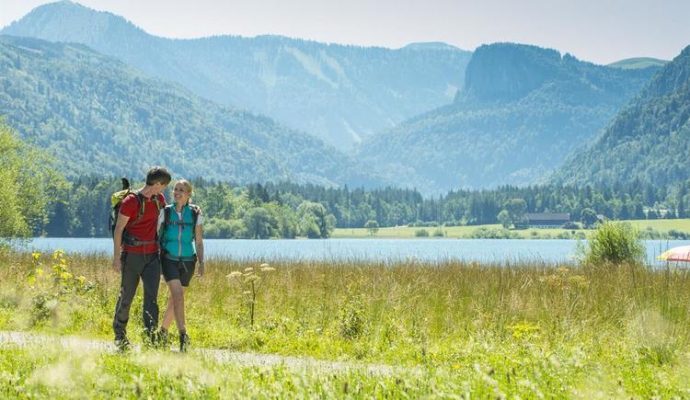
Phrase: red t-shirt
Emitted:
{"points": [[145, 228]]}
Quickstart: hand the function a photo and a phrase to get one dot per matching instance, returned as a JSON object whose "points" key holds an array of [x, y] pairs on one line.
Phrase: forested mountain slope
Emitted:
{"points": [[648, 142], [97, 115], [522, 111], [339, 93]]}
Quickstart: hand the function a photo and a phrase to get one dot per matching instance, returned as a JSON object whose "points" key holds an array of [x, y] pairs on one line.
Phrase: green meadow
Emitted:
{"points": [[408, 330], [661, 227]]}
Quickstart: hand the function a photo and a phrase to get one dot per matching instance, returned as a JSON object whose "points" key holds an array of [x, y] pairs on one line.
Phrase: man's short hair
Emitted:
{"points": [[158, 175]]}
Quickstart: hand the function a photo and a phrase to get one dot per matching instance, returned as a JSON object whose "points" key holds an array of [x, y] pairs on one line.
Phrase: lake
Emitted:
{"points": [[501, 251]]}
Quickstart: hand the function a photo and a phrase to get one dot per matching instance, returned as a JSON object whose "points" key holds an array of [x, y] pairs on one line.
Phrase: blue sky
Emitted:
{"points": [[599, 31]]}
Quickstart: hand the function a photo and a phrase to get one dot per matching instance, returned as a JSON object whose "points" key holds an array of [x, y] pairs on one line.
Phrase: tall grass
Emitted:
{"points": [[519, 329], [614, 243]]}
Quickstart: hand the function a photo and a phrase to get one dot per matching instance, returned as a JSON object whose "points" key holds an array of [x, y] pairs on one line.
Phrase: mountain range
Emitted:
{"points": [[98, 116], [105, 97], [341, 94], [523, 110], [649, 140]]}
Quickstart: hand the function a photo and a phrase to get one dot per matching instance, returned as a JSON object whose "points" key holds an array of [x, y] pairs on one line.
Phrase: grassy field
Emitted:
{"points": [[662, 225], [451, 329], [465, 232]]}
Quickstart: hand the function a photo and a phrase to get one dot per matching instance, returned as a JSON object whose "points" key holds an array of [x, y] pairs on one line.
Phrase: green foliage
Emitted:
{"points": [[489, 233], [78, 97], [614, 243], [504, 219], [53, 288], [516, 210], [647, 143], [315, 222], [421, 233], [356, 88], [81, 209], [361, 330], [372, 226], [351, 318], [259, 223], [523, 110], [13, 222], [29, 184], [438, 232], [588, 217], [251, 279], [638, 63]]}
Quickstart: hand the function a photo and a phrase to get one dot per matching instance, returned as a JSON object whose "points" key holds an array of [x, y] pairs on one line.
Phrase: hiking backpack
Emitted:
{"points": [[167, 211], [195, 215], [116, 201]]}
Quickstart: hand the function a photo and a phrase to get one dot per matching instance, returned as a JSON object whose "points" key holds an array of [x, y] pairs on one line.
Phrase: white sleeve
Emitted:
{"points": [[200, 219], [161, 219]]}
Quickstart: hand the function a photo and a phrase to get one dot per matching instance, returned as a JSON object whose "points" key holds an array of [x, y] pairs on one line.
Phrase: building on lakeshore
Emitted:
{"points": [[547, 220]]}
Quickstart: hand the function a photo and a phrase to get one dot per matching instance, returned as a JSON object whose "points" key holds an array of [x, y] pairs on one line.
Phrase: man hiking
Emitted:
{"points": [[136, 253]]}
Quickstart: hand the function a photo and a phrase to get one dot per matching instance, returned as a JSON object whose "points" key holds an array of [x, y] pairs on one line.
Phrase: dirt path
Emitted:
{"points": [[30, 339]]}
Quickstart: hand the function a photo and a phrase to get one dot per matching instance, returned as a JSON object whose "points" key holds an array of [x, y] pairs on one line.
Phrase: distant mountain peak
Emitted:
{"points": [[638, 63], [671, 78], [430, 46], [86, 25], [507, 71], [523, 111], [62, 6], [327, 89]]}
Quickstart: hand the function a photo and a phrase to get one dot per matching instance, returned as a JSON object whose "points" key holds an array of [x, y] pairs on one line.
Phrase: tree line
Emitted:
{"points": [[36, 200], [289, 210]]}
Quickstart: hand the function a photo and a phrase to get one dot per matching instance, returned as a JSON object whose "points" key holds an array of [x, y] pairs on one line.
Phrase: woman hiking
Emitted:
{"points": [[182, 246]]}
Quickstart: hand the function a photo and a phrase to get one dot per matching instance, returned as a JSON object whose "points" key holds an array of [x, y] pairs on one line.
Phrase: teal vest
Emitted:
{"points": [[177, 236]]}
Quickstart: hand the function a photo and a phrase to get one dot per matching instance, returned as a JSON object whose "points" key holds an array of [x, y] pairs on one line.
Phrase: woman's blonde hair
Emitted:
{"points": [[186, 185]]}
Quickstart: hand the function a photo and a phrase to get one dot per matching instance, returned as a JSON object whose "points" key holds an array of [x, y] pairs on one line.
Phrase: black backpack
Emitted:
{"points": [[166, 221], [195, 215]]}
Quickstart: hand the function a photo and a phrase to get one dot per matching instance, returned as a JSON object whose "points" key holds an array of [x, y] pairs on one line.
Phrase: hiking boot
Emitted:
{"points": [[163, 339], [184, 342], [122, 344], [150, 339]]}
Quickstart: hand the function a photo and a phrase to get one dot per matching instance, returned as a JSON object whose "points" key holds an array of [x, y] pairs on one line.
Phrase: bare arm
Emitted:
{"points": [[199, 241], [117, 241]]}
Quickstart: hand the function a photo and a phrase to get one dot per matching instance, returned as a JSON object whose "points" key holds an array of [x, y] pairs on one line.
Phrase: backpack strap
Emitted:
{"points": [[142, 205], [126, 236], [157, 201], [166, 215], [195, 214]]}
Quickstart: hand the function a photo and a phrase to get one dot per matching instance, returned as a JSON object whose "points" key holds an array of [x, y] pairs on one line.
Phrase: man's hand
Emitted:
{"points": [[117, 265], [200, 271]]}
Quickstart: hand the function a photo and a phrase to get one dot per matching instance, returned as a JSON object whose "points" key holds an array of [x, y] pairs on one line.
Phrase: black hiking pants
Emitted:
{"points": [[136, 266]]}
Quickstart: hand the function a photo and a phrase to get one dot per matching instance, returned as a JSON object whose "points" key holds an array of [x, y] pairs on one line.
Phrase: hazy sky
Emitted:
{"points": [[599, 31]]}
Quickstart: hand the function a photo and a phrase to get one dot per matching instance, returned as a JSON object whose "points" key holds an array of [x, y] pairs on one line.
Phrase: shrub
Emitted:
{"points": [[438, 232], [571, 225], [352, 318], [678, 235], [615, 243], [218, 228], [250, 280], [493, 233], [372, 227], [421, 233]]}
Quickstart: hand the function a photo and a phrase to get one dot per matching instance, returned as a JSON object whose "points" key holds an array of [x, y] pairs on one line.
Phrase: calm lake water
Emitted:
{"points": [[500, 251]]}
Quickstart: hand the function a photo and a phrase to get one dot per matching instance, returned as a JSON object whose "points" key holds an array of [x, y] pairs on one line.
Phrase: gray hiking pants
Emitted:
{"points": [[136, 266]]}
